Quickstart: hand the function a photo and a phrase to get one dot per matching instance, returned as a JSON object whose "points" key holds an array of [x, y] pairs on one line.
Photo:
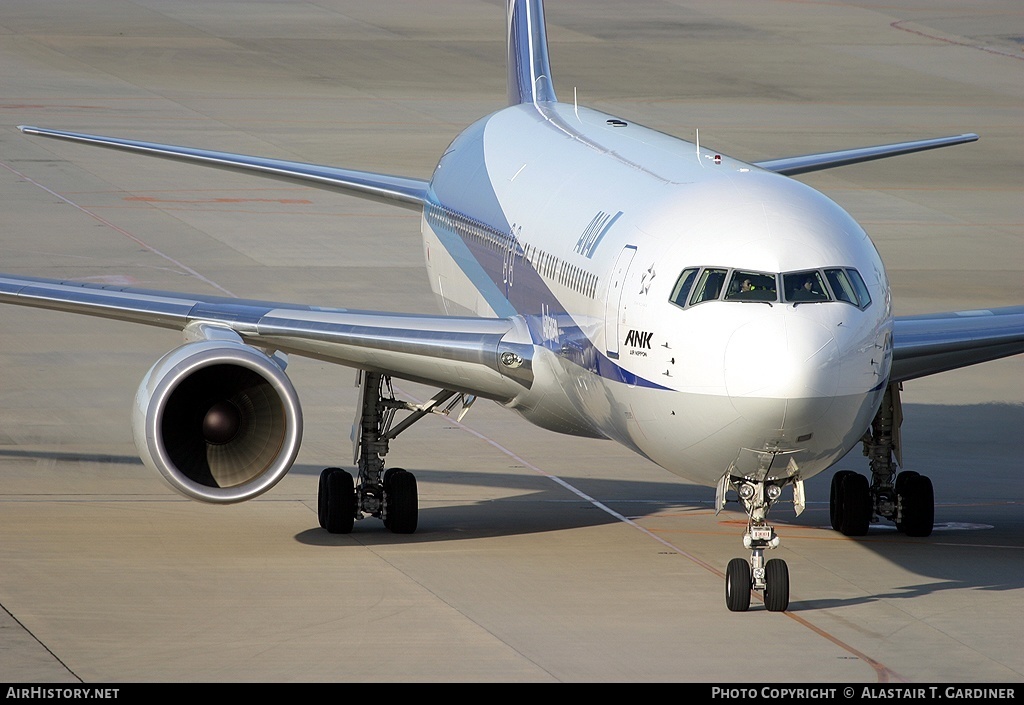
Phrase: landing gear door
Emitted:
{"points": [[613, 301], [357, 423]]}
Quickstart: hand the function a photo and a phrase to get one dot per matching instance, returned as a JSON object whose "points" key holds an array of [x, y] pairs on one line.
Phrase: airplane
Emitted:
{"points": [[598, 278]]}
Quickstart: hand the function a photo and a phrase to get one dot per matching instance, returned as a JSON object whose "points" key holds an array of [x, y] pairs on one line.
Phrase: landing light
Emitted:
{"points": [[774, 492], [746, 491], [510, 359]]}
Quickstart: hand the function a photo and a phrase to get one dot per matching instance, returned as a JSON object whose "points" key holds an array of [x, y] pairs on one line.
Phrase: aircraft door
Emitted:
{"points": [[613, 302]]}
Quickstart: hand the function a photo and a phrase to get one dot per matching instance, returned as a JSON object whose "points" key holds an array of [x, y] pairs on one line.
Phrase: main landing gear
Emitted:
{"points": [[907, 498], [390, 494], [769, 577]]}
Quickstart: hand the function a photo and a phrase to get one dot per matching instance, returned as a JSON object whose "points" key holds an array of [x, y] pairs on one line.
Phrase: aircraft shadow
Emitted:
{"points": [[972, 454], [71, 457], [543, 506]]}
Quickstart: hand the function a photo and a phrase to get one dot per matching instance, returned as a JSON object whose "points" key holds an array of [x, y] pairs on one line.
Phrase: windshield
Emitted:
{"points": [[752, 286], [805, 286], [697, 285]]}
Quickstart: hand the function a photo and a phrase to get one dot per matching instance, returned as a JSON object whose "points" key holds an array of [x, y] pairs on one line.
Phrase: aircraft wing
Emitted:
{"points": [[411, 192], [487, 357], [395, 190], [928, 344], [790, 166]]}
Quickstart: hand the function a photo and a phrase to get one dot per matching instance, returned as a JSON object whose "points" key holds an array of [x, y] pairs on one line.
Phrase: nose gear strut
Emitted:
{"points": [[768, 577]]}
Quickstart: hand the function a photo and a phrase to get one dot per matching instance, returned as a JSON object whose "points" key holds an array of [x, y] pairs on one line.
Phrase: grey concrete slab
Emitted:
{"points": [[108, 576]]}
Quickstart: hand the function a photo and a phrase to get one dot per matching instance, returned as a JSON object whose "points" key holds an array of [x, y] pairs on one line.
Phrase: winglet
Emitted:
{"points": [[529, 73]]}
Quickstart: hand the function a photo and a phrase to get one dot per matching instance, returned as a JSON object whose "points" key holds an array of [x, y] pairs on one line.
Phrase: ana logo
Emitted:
{"points": [[548, 325], [639, 339], [594, 232]]}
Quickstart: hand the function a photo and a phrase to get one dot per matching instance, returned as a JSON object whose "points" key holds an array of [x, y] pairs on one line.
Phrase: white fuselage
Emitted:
{"points": [[582, 225]]}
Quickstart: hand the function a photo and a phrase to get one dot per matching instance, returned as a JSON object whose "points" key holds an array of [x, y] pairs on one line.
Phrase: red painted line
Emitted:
{"points": [[898, 25]]}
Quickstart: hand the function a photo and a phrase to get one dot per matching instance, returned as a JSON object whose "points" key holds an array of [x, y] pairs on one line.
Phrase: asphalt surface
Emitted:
{"points": [[539, 557]]}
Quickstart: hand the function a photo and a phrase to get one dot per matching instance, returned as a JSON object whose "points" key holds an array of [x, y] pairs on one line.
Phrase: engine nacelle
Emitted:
{"points": [[219, 420]]}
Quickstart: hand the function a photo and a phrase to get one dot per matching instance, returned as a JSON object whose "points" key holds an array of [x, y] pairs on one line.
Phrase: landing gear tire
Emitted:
{"points": [[900, 487], [336, 501], [388, 474], [385, 482], [776, 591], [856, 506], [850, 503], [902, 478], [917, 505], [835, 504], [737, 585], [401, 501]]}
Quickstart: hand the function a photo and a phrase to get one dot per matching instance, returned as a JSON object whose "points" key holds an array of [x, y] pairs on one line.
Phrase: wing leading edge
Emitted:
{"points": [[791, 166], [939, 342], [460, 353], [488, 357], [394, 190]]}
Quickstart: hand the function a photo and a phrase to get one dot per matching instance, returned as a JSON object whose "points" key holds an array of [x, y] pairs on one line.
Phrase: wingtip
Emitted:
{"points": [[28, 129]]}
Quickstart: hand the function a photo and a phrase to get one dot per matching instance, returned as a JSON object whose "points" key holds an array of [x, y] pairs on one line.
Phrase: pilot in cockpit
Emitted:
{"points": [[808, 291]]}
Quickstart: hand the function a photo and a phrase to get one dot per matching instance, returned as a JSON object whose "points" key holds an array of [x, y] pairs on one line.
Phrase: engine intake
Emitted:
{"points": [[219, 420]]}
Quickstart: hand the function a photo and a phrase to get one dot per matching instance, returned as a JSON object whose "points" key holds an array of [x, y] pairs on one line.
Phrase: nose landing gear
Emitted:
{"points": [[771, 578]]}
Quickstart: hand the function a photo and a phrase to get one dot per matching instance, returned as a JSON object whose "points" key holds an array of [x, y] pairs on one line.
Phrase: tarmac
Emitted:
{"points": [[539, 557]]}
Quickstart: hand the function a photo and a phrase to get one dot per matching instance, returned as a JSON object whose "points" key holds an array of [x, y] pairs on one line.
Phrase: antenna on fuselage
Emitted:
{"points": [[696, 131]]}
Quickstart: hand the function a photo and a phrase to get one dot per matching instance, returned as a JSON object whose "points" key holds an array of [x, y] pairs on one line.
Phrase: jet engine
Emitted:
{"points": [[219, 420]]}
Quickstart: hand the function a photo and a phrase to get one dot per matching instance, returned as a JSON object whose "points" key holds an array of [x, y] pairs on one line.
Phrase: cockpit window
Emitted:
{"points": [[683, 286], [805, 286], [841, 286], [848, 286], [860, 287], [699, 284], [752, 286], [709, 286]]}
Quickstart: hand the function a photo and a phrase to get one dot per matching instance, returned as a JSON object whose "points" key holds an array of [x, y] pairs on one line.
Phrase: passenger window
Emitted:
{"points": [[683, 286], [752, 286], [841, 286], [805, 287], [860, 287], [709, 287]]}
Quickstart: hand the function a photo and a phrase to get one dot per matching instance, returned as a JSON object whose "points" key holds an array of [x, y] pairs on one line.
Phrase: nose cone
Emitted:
{"points": [[785, 356]]}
